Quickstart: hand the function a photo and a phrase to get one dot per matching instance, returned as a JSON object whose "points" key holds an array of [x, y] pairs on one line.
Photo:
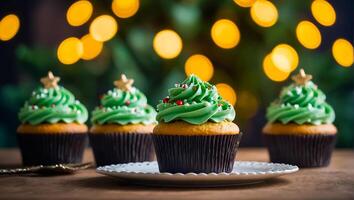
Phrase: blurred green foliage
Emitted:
{"points": [[131, 52]]}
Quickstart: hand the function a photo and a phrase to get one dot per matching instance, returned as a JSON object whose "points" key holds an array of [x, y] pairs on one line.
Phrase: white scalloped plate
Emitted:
{"points": [[244, 172]]}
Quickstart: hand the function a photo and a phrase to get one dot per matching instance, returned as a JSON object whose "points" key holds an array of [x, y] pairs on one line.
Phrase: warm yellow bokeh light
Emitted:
{"points": [[227, 92], [244, 3], [225, 34], [103, 28], [264, 13], [308, 35], [272, 72], [92, 47], [342, 51], [323, 12], [199, 65], [70, 50], [285, 58], [79, 13], [9, 26], [125, 8], [167, 44]]}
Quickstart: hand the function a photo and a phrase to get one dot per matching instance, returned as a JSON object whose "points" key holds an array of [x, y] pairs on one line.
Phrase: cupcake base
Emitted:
{"points": [[116, 148], [196, 153], [312, 150], [51, 149]]}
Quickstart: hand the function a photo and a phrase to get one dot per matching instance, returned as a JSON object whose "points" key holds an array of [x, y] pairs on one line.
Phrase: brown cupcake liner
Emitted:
{"points": [[51, 149], [301, 150], [116, 148], [198, 154]]}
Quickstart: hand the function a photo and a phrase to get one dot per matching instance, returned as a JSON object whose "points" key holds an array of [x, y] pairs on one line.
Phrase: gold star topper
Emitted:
{"points": [[302, 78], [123, 83], [50, 81]]}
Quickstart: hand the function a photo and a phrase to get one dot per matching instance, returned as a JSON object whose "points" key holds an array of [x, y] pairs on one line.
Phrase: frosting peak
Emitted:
{"points": [[196, 102], [301, 102], [123, 105], [51, 104]]}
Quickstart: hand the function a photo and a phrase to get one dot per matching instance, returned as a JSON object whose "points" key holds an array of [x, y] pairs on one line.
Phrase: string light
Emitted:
{"points": [[308, 34], [227, 92], [264, 13], [342, 51], [225, 34], [285, 58], [125, 8], [103, 28], [244, 3], [272, 72], [323, 12], [9, 26], [199, 65], [70, 51], [167, 44], [79, 13], [92, 47]]}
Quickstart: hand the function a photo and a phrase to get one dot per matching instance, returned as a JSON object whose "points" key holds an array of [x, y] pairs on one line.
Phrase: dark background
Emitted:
{"points": [[32, 52]]}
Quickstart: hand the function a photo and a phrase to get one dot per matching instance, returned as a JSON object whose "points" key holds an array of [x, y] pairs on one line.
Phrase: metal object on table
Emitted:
{"points": [[47, 169]]}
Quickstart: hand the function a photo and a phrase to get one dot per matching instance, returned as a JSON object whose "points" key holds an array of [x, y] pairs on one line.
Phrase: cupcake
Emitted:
{"points": [[195, 131], [299, 129], [122, 126], [52, 129]]}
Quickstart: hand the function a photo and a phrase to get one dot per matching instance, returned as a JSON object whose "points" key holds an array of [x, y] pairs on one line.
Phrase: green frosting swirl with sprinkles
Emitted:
{"points": [[301, 103], [124, 105], [196, 102], [52, 104]]}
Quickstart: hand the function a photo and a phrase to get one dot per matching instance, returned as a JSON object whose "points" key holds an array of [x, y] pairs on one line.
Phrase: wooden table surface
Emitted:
{"points": [[333, 182]]}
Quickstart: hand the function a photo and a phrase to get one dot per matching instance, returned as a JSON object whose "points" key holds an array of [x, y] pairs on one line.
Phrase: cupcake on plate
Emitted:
{"points": [[52, 129], [299, 129], [195, 131], [122, 126]]}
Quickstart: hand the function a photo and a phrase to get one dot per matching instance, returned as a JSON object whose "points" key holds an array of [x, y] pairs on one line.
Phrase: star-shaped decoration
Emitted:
{"points": [[123, 83], [301, 78], [50, 81]]}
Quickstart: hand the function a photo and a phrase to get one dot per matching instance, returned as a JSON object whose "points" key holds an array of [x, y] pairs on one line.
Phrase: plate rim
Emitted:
{"points": [[292, 169]]}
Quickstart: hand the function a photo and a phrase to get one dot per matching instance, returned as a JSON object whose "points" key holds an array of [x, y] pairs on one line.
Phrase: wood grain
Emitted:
{"points": [[333, 182]]}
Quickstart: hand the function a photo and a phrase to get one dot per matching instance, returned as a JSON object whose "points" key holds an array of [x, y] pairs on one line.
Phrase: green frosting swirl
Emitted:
{"points": [[196, 102], [124, 107], [301, 104], [52, 105]]}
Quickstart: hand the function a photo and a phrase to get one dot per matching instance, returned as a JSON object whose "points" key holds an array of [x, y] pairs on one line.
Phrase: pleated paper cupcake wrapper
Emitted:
{"points": [[51, 149], [117, 148], [198, 154], [301, 150]]}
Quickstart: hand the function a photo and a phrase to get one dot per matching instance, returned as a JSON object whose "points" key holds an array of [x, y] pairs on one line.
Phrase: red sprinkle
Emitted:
{"points": [[127, 103], [184, 86], [33, 107], [166, 100], [179, 102], [101, 96]]}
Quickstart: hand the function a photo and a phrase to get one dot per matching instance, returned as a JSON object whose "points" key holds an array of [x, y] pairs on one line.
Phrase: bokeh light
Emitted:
{"points": [[323, 12], [272, 72], [342, 51], [227, 92], [199, 65], [167, 44], [247, 104], [308, 34], [9, 26], [70, 50], [79, 13], [244, 3], [264, 13], [225, 34], [103, 28], [285, 58], [92, 47], [125, 8]]}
